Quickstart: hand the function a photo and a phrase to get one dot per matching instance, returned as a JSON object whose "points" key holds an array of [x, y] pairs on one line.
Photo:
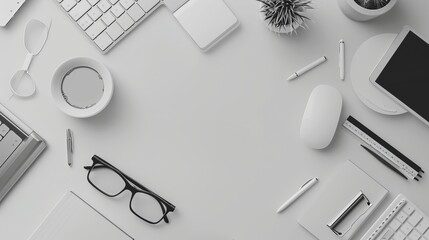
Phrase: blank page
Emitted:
{"points": [[73, 218]]}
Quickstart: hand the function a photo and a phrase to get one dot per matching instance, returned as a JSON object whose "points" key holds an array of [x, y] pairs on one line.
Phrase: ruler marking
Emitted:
{"points": [[397, 162]]}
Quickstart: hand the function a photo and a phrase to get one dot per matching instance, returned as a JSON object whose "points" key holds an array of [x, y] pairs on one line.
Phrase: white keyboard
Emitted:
{"points": [[9, 141], [401, 220], [106, 22]]}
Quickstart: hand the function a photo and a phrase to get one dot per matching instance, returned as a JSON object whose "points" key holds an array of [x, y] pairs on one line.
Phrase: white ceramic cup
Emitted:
{"points": [[57, 87]]}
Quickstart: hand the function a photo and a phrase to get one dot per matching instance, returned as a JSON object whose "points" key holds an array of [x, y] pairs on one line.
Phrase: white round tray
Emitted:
{"points": [[364, 61]]}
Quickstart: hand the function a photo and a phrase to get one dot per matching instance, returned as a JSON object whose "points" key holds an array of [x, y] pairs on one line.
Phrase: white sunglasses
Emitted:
{"points": [[36, 34]]}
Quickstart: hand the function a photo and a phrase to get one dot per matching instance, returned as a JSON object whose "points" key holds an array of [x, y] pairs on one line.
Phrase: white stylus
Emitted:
{"points": [[341, 60], [307, 68], [298, 194]]}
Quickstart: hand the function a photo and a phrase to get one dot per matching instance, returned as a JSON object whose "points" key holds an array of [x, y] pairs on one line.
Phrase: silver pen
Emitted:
{"points": [[69, 146]]}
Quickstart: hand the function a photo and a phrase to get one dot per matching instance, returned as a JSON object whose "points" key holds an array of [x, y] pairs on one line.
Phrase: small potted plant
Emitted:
{"points": [[284, 16], [364, 10]]}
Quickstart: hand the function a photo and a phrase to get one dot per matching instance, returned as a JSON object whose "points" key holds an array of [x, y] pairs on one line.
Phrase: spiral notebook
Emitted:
{"points": [[343, 204], [74, 219]]}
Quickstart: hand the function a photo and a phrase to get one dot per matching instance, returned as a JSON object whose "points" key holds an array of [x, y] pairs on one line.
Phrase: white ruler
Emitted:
{"points": [[404, 168]]}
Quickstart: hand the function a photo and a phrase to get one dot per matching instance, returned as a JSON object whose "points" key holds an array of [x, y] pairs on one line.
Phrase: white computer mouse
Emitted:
{"points": [[321, 116]]}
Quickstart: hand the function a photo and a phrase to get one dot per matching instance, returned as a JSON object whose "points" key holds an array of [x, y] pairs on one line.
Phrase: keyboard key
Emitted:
{"points": [[104, 5], [108, 18], [126, 3], [117, 10], [103, 41], [147, 5], [125, 21], [395, 224], [94, 13], [398, 236], [96, 16], [414, 235], [3, 129], [135, 12], [387, 234], [406, 228], [423, 226], [79, 10], [68, 4], [95, 29], [84, 22], [9, 143], [408, 223], [415, 218], [93, 2], [408, 209], [402, 216], [114, 31]]}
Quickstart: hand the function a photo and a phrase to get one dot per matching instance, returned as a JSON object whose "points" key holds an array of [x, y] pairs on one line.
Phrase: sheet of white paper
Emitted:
{"points": [[65, 222]]}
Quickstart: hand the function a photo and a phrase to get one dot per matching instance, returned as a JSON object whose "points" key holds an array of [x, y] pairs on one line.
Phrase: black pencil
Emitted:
{"points": [[384, 162]]}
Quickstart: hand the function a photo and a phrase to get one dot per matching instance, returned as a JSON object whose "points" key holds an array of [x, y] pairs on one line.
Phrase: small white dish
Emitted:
{"points": [[101, 98]]}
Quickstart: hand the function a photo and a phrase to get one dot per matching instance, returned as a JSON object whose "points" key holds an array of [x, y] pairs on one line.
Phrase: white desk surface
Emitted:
{"points": [[215, 133]]}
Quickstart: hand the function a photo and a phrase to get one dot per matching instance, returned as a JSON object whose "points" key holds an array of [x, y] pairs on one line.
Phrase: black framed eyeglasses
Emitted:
{"points": [[144, 203]]}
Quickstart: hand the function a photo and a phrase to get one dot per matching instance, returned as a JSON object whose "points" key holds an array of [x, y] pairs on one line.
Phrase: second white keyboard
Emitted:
{"points": [[106, 22], [401, 220]]}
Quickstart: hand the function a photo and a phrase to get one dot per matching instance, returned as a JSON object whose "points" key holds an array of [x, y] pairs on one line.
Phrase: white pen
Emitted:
{"points": [[307, 68], [341, 60], [310, 183]]}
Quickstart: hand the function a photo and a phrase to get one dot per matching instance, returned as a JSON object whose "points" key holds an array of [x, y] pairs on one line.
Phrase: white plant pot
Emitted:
{"points": [[287, 29], [358, 13]]}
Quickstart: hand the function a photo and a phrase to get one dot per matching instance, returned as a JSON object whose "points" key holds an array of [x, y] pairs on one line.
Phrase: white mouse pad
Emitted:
{"points": [[206, 21]]}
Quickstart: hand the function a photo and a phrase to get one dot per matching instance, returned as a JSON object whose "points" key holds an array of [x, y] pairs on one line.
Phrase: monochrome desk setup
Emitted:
{"points": [[147, 119]]}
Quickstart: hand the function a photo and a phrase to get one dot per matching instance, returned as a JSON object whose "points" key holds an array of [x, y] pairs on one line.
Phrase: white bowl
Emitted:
{"points": [[58, 77]]}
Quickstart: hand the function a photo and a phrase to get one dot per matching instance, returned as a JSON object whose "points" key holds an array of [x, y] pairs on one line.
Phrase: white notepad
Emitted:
{"points": [[74, 219], [206, 21], [347, 183]]}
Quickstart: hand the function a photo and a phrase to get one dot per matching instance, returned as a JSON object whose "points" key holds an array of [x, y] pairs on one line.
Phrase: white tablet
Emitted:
{"points": [[403, 73]]}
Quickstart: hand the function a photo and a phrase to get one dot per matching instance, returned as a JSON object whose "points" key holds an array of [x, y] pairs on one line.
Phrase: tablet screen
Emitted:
{"points": [[406, 75]]}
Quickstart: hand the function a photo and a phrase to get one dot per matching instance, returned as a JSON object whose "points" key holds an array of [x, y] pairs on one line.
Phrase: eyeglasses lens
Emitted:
{"points": [[106, 180], [146, 207], [22, 84]]}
